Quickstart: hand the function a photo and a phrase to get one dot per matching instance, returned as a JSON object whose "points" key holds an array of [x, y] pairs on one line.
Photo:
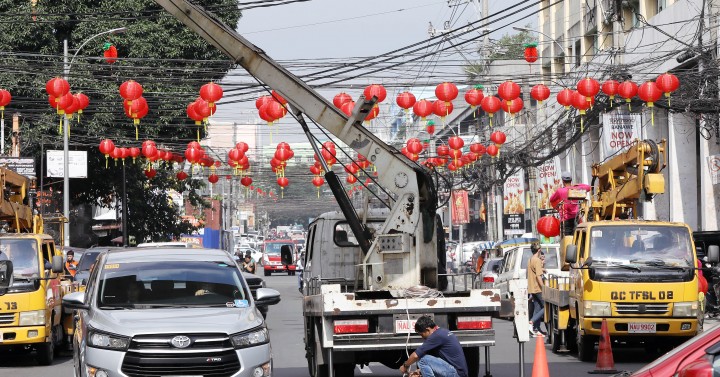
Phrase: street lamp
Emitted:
{"points": [[519, 28], [66, 133]]}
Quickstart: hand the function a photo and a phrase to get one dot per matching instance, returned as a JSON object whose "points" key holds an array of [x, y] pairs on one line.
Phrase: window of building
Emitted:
{"points": [[661, 4], [578, 53]]}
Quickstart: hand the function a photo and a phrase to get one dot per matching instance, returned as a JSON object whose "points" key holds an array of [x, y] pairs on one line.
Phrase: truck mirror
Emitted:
{"points": [[57, 264], [713, 254], [286, 255], [571, 254], [6, 274]]}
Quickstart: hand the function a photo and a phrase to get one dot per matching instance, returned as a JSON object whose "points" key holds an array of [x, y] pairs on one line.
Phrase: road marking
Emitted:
{"points": [[365, 370]]}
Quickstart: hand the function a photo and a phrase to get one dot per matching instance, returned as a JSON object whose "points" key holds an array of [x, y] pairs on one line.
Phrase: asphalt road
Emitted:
{"points": [[285, 323]]}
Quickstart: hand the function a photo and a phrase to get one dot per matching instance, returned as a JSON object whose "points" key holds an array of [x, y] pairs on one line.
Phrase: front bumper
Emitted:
{"points": [[11, 336], [665, 326], [112, 362], [278, 268]]}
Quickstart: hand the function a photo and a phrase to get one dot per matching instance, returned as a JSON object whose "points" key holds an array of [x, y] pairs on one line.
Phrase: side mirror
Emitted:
{"points": [[57, 264], [286, 255], [265, 297], [571, 254], [75, 300], [6, 275], [713, 254]]}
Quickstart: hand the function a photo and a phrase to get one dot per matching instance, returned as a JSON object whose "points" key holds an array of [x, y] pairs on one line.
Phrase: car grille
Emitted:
{"points": [[7, 318], [641, 308], [210, 355]]}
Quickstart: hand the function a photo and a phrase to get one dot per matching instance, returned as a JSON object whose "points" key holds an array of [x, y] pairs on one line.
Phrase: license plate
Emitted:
{"points": [[404, 326], [641, 328]]}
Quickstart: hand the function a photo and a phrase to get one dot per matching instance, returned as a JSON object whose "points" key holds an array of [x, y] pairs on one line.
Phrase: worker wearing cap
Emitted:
{"points": [[568, 209]]}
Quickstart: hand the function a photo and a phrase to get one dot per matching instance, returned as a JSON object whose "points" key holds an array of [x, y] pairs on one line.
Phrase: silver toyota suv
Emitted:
{"points": [[169, 312]]}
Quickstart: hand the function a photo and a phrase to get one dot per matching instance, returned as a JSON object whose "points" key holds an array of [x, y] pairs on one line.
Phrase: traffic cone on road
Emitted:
{"points": [[605, 363], [540, 364]]}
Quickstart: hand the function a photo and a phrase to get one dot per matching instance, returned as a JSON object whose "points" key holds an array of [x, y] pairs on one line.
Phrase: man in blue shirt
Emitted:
{"points": [[440, 355]]}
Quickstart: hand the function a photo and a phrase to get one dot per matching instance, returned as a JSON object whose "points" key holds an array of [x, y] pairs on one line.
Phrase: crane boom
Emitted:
{"points": [[621, 181], [412, 214]]}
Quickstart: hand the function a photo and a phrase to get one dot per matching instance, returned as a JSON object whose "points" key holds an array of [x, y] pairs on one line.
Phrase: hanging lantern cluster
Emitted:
{"points": [[498, 138], [278, 163], [271, 108], [412, 149], [61, 99], [531, 52], [134, 104], [238, 160], [317, 180], [328, 153]]}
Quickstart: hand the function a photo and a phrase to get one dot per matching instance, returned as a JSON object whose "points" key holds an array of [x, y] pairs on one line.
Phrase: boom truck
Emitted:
{"points": [[31, 281], [638, 275], [367, 279]]}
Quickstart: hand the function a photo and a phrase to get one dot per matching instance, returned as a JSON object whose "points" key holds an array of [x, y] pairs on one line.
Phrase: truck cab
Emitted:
{"points": [[272, 257]]}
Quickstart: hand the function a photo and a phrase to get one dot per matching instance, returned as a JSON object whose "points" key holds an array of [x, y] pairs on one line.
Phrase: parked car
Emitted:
{"points": [[145, 313], [515, 261], [699, 356], [489, 273]]}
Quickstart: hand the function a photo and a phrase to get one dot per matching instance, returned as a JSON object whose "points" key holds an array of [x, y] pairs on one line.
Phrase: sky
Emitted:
{"points": [[337, 29]]}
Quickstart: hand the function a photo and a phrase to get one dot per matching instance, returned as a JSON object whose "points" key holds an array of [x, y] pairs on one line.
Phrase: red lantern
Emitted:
{"points": [[456, 142], [430, 128], [492, 150], [202, 108], [446, 92], [57, 87], [213, 178], [72, 107], [442, 150], [497, 137], [262, 100], [549, 226], [5, 98], [405, 100], [277, 97], [64, 102], [340, 99], [211, 93], [83, 102], [540, 93], [375, 90], [531, 52], [649, 93], [372, 114], [318, 181], [565, 98], [181, 175], [246, 181], [134, 153], [588, 87], [610, 88], [150, 173], [442, 109], [579, 102], [235, 154], [275, 110], [283, 182], [667, 83], [508, 91], [348, 107], [423, 108], [490, 105], [149, 150], [131, 90], [351, 179], [193, 155], [106, 147], [414, 147], [515, 106], [110, 53], [263, 112], [627, 90], [477, 148], [242, 146], [474, 96], [192, 114]]}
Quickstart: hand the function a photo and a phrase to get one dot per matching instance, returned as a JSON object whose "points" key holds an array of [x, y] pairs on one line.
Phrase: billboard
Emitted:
{"points": [[460, 210], [619, 131], [77, 164], [514, 204], [547, 182]]}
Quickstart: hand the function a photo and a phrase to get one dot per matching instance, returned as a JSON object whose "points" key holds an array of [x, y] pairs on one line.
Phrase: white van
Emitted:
{"points": [[515, 261]]}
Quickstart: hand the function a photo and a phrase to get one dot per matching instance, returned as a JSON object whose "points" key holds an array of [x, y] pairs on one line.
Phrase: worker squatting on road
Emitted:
{"points": [[568, 209], [440, 355]]}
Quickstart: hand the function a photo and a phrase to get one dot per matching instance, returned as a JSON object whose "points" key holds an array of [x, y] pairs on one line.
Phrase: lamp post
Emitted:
{"points": [[66, 133]]}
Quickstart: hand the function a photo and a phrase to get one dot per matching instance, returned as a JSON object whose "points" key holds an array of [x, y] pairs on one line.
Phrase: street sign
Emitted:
{"points": [[77, 164], [21, 165]]}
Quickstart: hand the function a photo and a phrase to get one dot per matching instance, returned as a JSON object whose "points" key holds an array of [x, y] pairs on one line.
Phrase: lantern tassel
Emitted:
{"points": [[136, 132], [198, 134], [652, 117], [282, 193], [582, 126], [60, 128], [318, 193], [106, 161]]}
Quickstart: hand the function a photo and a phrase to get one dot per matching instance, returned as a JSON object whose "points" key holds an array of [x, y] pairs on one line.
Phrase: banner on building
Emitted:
{"points": [[547, 182], [620, 131], [714, 168], [460, 209], [514, 204]]}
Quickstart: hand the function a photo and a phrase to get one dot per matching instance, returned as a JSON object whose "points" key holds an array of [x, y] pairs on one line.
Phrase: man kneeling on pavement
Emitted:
{"points": [[440, 355]]}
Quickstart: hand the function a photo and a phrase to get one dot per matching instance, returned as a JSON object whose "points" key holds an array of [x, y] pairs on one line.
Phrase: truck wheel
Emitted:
{"points": [[267, 273], [585, 347], [472, 357], [555, 342], [345, 370], [314, 369], [45, 352]]}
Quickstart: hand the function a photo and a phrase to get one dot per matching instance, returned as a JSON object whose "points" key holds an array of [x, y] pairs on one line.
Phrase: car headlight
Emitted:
{"points": [[597, 309], [685, 309], [250, 339], [32, 318], [99, 339]]}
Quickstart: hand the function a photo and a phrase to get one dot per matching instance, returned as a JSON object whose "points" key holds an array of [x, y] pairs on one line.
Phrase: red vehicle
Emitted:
{"points": [[271, 257], [694, 358]]}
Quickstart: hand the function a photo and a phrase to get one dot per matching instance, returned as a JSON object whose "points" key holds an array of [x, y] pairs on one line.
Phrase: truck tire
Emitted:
{"points": [[585, 346], [472, 357], [267, 273], [46, 351]]}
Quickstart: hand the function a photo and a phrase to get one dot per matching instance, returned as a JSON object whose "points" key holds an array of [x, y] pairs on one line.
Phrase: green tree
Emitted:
{"points": [[508, 47], [170, 61]]}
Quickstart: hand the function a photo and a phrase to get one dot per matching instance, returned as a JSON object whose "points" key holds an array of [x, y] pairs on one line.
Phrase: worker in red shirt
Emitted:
{"points": [[568, 209]]}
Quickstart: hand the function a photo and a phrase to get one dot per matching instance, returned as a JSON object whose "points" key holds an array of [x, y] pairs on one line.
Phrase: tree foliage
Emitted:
{"points": [[508, 47], [170, 61]]}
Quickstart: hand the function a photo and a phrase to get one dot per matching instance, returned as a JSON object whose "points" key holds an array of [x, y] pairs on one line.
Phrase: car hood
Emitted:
{"points": [[133, 322]]}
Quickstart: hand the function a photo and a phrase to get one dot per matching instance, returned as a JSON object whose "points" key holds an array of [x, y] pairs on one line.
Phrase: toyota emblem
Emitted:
{"points": [[180, 341]]}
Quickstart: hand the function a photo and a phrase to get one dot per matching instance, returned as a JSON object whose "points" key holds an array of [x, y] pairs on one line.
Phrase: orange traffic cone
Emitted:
{"points": [[605, 363], [540, 364]]}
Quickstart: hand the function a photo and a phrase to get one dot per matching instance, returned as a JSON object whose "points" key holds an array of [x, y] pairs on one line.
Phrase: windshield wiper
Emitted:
{"points": [[659, 263], [623, 266], [116, 307]]}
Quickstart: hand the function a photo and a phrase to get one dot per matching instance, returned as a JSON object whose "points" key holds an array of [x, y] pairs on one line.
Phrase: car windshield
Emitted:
{"points": [[24, 256], [168, 284], [664, 245], [551, 257], [87, 260], [274, 247]]}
